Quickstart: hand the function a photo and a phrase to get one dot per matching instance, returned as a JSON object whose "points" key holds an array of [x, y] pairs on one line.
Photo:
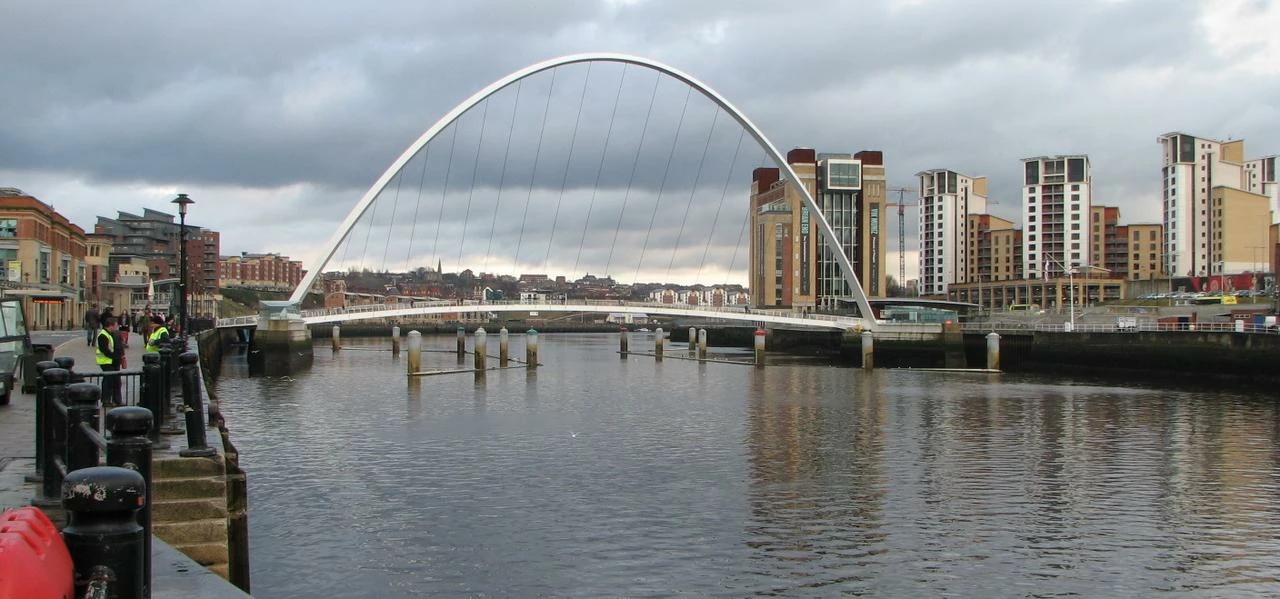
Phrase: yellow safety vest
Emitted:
{"points": [[100, 357], [154, 339]]}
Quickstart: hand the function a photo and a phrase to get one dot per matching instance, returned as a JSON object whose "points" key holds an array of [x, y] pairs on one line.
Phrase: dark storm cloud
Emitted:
{"points": [[282, 115]]}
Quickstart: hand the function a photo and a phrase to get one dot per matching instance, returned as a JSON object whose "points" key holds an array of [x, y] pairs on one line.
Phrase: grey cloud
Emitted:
{"points": [[299, 107]]}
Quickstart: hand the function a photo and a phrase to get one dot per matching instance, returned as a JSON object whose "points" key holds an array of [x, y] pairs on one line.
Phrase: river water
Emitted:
{"points": [[601, 477]]}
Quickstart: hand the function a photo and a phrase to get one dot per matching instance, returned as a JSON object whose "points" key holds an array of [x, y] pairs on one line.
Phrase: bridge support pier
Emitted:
{"points": [[395, 341], [462, 345], [702, 345], [481, 350], [504, 348], [336, 337], [623, 342], [993, 351], [868, 350], [759, 348], [280, 347], [659, 338], [415, 352], [693, 339], [531, 349]]}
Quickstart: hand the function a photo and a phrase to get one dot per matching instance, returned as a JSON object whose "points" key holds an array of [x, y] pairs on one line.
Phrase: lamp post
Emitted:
{"points": [[182, 201], [1071, 283]]}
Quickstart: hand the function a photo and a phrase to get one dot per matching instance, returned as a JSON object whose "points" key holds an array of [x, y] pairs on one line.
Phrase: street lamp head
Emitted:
{"points": [[182, 201]]}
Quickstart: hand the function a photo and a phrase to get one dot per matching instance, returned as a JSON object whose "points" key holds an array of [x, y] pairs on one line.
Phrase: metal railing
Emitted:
{"points": [[130, 384], [1166, 327]]}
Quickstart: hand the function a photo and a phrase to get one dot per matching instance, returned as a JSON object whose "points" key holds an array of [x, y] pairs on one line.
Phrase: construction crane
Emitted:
{"points": [[902, 231]]}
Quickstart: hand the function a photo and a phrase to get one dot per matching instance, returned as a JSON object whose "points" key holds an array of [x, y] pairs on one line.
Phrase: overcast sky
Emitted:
{"points": [[276, 117]]}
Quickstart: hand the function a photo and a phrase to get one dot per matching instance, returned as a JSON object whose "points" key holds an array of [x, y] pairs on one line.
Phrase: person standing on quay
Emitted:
{"points": [[110, 357], [159, 334], [90, 326]]}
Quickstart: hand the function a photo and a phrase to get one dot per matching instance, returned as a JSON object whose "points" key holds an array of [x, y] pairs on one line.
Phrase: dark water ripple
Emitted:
{"points": [[596, 476]]}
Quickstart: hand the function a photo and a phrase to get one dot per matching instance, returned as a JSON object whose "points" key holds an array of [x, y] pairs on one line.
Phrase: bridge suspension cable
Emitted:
{"points": [[654, 179]]}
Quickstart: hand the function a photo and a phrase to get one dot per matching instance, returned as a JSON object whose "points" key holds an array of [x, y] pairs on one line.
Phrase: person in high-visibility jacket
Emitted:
{"points": [[109, 355], [159, 334]]}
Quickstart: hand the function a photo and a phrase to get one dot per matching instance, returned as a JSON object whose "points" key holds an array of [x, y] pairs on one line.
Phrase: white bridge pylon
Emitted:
{"points": [[825, 231]]}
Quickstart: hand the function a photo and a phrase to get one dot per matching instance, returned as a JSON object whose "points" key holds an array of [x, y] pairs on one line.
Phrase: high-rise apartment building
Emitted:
{"points": [[947, 198], [996, 247], [1143, 258], [790, 265], [1107, 249], [1260, 178], [1055, 212], [1216, 212]]}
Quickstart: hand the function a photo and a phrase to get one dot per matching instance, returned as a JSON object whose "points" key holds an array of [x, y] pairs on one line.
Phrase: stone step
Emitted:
{"points": [[205, 554], [179, 467], [188, 488], [191, 532], [186, 510]]}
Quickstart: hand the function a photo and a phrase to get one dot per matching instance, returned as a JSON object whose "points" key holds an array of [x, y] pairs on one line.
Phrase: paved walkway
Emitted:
{"points": [[18, 420]]}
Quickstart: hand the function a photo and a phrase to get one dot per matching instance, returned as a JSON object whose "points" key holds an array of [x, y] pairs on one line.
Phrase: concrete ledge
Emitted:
{"points": [[176, 576]]}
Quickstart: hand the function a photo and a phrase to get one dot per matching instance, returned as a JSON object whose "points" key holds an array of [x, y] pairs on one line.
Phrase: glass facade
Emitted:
{"points": [[843, 175]]}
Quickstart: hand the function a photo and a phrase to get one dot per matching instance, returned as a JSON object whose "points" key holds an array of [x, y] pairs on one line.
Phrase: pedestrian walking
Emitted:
{"points": [[90, 325]]}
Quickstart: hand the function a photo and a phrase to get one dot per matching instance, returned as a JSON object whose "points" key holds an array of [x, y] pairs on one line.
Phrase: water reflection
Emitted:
{"points": [[598, 476]]}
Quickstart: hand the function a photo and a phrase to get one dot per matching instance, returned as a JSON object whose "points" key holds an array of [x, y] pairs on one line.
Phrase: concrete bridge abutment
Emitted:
{"points": [[280, 347]]}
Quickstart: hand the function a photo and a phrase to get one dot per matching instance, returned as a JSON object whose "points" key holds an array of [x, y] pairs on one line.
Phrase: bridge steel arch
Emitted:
{"points": [[828, 234]]}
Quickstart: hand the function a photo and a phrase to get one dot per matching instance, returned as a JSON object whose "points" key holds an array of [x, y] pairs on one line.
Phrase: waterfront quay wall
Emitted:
{"points": [[227, 478], [1248, 357]]}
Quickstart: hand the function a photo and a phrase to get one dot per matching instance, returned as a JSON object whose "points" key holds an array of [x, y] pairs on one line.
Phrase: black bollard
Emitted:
{"points": [[152, 382], [166, 367], [41, 440], [55, 429], [129, 447], [69, 364], [193, 406], [103, 531], [82, 407]]}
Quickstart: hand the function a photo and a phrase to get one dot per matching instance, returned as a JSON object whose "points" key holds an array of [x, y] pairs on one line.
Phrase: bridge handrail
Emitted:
{"points": [[708, 310]]}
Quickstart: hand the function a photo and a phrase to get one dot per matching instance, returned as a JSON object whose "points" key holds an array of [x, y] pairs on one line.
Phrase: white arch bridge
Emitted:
{"points": [[446, 308], [810, 217]]}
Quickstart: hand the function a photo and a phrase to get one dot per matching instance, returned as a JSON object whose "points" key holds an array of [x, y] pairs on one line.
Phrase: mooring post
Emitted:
{"points": [[504, 347], [693, 339], [868, 350], [68, 363], [336, 337], [82, 408], [462, 345], [152, 380], [624, 340], [103, 535], [193, 407], [531, 349], [659, 338], [130, 448], [42, 439], [993, 351], [395, 341], [415, 352], [759, 348], [702, 345], [482, 347], [55, 390]]}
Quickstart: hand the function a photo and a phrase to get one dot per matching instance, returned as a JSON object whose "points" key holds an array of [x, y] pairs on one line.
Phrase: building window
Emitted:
{"points": [[8, 227]]}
